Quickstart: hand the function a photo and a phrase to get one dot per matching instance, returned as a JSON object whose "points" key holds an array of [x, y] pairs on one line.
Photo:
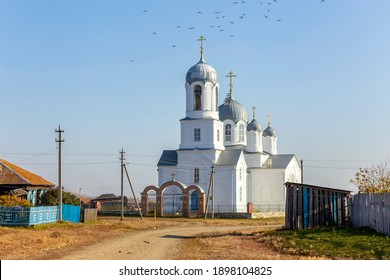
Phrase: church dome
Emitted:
{"points": [[269, 131], [232, 110], [254, 125], [201, 72]]}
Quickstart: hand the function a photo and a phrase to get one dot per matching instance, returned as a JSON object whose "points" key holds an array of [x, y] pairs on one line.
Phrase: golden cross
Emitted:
{"points": [[269, 119], [254, 112], [201, 39], [231, 75]]}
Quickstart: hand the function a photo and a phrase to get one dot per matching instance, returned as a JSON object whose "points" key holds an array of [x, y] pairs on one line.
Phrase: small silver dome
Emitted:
{"points": [[269, 131], [232, 110], [254, 125], [201, 72]]}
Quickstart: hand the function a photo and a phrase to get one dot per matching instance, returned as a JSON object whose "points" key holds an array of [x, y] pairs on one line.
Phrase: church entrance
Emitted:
{"points": [[174, 199]]}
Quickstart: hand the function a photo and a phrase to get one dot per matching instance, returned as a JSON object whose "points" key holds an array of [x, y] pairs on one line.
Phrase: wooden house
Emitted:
{"points": [[15, 180]]}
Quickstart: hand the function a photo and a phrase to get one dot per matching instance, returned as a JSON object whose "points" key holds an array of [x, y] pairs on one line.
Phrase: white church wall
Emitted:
{"points": [[224, 181], [254, 160], [293, 172], [208, 135], [267, 186]]}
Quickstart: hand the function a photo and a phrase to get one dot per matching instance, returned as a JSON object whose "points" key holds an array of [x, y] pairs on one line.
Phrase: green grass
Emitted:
{"points": [[333, 243]]}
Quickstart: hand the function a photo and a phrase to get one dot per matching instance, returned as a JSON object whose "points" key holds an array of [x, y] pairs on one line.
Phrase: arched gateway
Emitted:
{"points": [[187, 193]]}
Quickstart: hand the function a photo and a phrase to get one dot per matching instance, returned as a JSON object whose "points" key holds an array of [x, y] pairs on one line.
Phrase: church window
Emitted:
{"points": [[241, 132], [218, 135], [216, 99], [197, 134], [228, 132], [196, 175], [240, 173], [241, 194], [198, 97]]}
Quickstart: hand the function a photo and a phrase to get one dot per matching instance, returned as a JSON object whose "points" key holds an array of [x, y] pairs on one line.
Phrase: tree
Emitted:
{"points": [[375, 179], [50, 198]]}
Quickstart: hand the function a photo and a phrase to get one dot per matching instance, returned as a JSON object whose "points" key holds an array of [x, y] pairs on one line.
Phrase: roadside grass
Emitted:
{"points": [[334, 243]]}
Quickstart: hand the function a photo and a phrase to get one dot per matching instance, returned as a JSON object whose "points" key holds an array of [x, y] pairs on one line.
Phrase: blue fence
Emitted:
{"points": [[27, 216]]}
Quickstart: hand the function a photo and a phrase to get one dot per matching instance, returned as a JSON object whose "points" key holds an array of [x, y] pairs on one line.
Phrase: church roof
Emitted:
{"points": [[278, 161], [229, 157], [254, 125], [201, 72], [232, 110], [269, 131], [168, 158]]}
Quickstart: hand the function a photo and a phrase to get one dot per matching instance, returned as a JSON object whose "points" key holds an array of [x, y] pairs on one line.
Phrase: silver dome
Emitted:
{"points": [[269, 131], [201, 72], [254, 125], [232, 110]]}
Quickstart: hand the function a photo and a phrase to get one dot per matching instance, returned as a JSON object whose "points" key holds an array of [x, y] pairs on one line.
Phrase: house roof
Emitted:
{"points": [[106, 196], [168, 158], [11, 174]]}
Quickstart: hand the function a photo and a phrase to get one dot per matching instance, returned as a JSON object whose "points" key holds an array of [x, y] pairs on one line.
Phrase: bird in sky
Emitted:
{"points": [[174, 46], [265, 16], [178, 26], [191, 27], [145, 11], [154, 33]]}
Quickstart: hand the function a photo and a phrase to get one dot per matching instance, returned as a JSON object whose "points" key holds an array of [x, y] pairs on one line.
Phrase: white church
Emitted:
{"points": [[247, 165]]}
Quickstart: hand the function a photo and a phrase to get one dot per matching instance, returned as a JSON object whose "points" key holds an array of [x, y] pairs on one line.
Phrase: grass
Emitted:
{"points": [[333, 243]]}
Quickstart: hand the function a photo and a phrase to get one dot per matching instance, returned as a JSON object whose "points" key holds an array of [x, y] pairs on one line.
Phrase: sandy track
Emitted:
{"points": [[157, 244]]}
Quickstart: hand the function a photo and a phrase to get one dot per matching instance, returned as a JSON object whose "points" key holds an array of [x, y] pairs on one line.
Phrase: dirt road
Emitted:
{"points": [[157, 244]]}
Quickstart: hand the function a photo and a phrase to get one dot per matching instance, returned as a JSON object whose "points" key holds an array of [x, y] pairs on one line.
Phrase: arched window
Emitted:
{"points": [[228, 132], [241, 132], [196, 175], [198, 97]]}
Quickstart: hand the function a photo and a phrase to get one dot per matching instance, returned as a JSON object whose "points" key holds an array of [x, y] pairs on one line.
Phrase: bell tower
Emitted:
{"points": [[201, 128]]}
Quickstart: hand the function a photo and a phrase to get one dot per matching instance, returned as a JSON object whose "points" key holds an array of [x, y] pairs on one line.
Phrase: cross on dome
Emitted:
{"points": [[231, 75], [254, 112], [201, 39]]}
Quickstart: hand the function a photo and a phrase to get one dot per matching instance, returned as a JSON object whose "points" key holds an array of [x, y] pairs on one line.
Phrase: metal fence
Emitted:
{"points": [[27, 216]]}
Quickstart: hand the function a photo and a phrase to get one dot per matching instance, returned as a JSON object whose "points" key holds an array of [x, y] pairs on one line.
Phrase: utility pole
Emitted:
{"points": [[213, 193], [301, 171], [132, 190], [122, 158], [59, 140], [211, 188]]}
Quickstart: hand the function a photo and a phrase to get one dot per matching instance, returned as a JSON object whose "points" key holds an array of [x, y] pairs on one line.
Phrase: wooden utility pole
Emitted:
{"points": [[122, 158], [211, 188], [59, 140], [132, 190]]}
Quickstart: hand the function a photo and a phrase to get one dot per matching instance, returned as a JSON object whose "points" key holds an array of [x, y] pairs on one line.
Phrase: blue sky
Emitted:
{"points": [[321, 70]]}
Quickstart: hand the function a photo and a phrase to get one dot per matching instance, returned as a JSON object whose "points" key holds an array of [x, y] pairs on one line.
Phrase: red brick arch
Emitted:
{"points": [[186, 194]]}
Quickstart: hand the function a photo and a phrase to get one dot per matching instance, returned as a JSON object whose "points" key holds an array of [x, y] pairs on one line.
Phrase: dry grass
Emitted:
{"points": [[238, 245], [53, 240]]}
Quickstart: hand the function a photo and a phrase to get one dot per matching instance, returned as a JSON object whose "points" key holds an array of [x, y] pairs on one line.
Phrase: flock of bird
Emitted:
{"points": [[222, 22]]}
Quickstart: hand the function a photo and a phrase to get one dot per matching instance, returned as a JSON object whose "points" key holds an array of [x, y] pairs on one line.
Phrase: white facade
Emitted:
{"points": [[247, 166]]}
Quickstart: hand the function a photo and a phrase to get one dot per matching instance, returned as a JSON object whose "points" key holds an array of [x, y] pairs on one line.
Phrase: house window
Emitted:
{"points": [[198, 97], [197, 134], [241, 131], [217, 135], [228, 132], [196, 175]]}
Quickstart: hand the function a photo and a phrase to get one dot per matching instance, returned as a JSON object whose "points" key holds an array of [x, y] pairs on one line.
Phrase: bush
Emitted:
{"points": [[50, 198], [12, 200]]}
